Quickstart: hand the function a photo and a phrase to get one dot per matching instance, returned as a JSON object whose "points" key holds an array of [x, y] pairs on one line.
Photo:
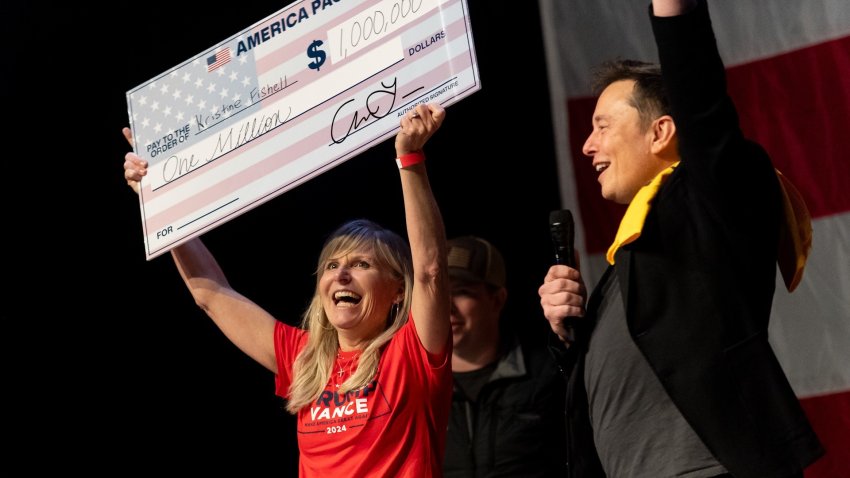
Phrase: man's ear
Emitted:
{"points": [[664, 136], [500, 297]]}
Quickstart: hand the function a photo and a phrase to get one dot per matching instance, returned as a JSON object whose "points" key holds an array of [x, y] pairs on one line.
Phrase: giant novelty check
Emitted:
{"points": [[289, 98]]}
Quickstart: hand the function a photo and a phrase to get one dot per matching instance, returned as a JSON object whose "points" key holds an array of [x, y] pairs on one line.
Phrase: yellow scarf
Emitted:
{"points": [[795, 241], [632, 223]]}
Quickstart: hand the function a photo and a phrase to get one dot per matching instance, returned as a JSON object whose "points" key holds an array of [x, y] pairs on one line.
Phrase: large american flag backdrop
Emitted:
{"points": [[788, 64]]}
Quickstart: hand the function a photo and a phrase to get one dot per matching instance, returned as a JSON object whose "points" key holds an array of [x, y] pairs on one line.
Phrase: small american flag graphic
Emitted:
{"points": [[218, 59]]}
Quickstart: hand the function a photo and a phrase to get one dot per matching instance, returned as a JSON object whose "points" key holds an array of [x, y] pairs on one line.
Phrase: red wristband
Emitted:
{"points": [[409, 159]]}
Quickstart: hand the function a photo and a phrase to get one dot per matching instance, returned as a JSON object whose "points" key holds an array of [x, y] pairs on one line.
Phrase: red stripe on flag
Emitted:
{"points": [[830, 418], [221, 57], [797, 105]]}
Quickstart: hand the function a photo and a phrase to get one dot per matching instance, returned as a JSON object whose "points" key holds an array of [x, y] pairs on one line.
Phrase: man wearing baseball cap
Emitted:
{"points": [[507, 415]]}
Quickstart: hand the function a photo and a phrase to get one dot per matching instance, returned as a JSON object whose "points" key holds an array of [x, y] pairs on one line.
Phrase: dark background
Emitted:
{"points": [[117, 368]]}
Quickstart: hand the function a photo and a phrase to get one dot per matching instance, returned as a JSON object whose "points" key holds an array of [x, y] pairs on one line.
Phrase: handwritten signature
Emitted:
{"points": [[376, 108]]}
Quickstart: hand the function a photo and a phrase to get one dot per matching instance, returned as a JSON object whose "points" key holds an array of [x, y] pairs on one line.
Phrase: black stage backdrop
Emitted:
{"points": [[118, 369]]}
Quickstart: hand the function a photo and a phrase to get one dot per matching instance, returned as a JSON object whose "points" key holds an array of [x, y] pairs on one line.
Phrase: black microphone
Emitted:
{"points": [[563, 234]]}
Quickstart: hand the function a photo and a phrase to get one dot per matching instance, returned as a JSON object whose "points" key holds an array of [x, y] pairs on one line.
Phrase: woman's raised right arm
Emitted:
{"points": [[245, 323]]}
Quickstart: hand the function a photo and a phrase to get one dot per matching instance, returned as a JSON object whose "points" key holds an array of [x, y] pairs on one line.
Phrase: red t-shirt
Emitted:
{"points": [[393, 427]]}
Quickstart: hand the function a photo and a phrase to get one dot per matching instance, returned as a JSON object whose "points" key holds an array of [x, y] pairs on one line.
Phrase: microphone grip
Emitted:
{"points": [[562, 229], [565, 256]]}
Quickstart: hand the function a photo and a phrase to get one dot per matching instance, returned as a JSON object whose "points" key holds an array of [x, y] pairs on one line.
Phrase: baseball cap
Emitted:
{"points": [[473, 259]]}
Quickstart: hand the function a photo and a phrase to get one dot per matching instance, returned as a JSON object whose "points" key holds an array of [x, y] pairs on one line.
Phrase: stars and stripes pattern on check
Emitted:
{"points": [[188, 92], [251, 140]]}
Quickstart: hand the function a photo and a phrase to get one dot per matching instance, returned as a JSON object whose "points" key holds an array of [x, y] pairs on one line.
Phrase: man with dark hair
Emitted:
{"points": [[670, 369]]}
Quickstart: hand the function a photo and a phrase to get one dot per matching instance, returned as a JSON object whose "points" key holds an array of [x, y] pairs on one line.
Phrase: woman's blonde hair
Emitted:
{"points": [[312, 368]]}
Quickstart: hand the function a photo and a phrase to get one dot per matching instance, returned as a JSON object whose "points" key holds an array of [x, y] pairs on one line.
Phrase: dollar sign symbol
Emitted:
{"points": [[317, 54]]}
